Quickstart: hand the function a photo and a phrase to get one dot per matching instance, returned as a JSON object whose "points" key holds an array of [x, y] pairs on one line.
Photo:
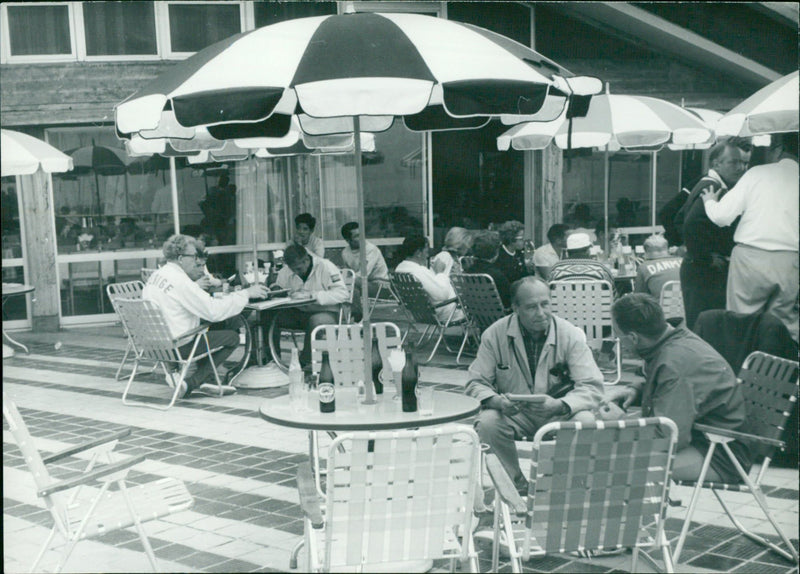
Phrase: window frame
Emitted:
{"points": [[9, 58], [77, 32]]}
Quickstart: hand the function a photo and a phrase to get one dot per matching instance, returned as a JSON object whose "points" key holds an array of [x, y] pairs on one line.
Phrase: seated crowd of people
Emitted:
{"points": [[744, 235]]}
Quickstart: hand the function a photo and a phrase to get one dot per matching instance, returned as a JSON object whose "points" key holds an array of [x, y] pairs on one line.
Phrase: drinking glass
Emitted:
{"points": [[425, 401]]}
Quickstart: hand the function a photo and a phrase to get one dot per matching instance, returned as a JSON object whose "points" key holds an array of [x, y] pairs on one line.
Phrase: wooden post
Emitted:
{"points": [[40, 250], [551, 187]]}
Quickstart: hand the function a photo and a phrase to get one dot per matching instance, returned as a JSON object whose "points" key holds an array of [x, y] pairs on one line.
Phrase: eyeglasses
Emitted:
{"points": [[196, 256]]}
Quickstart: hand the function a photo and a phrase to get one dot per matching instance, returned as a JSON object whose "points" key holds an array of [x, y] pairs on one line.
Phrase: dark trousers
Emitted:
{"points": [[703, 288], [228, 340], [294, 318]]}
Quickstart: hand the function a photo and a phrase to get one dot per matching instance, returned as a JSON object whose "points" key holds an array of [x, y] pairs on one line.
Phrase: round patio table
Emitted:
{"points": [[11, 290]]}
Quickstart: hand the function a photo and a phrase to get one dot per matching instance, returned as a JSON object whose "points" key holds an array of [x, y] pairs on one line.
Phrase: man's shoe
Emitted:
{"points": [[212, 390], [185, 391]]}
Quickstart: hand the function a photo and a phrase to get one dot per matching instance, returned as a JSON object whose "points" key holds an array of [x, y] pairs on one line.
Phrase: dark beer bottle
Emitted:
{"points": [[409, 378], [325, 386], [377, 365]]}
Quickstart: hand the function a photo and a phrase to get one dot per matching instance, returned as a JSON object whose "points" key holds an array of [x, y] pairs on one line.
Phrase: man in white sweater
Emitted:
{"points": [[184, 303]]}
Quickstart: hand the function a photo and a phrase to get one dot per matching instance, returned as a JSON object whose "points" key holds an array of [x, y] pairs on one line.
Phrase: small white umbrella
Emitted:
{"points": [[23, 155], [772, 109], [613, 122]]}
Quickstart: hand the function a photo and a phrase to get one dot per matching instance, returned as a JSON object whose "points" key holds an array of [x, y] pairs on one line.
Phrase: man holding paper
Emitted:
{"points": [[532, 368]]}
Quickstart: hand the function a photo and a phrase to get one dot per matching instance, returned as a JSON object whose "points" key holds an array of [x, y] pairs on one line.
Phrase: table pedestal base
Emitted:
{"points": [[7, 351], [267, 377]]}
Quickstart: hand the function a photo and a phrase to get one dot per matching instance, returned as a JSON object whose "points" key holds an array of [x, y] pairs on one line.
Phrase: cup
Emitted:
{"points": [[398, 384], [425, 401]]}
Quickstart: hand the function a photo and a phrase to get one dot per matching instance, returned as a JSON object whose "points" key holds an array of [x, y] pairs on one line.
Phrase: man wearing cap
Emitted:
{"points": [[579, 266], [657, 268]]}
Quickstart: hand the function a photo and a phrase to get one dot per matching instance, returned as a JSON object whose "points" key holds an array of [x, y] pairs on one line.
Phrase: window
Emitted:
{"points": [[119, 28], [192, 27], [39, 30]]}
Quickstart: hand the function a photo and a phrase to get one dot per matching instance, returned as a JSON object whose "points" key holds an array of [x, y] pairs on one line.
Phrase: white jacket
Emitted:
{"points": [[184, 303], [436, 285], [324, 283]]}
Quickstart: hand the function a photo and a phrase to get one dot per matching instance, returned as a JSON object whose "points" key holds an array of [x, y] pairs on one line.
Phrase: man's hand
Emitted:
{"points": [[502, 404], [709, 194], [548, 408], [257, 291], [204, 282], [622, 394], [718, 262]]}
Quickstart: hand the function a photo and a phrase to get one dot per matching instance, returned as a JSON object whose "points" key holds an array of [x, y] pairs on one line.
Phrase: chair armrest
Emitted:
{"points": [[731, 434], [309, 499], [504, 485], [99, 472], [447, 302], [69, 451]]}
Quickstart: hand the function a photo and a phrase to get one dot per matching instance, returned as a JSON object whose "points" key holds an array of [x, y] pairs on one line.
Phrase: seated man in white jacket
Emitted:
{"points": [[436, 285], [306, 274], [184, 303]]}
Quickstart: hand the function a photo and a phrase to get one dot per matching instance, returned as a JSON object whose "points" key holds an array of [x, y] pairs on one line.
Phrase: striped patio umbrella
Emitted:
{"points": [[772, 109], [347, 74], [614, 122], [24, 155]]}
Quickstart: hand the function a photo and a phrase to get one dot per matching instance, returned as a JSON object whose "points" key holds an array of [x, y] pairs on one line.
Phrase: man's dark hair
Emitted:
{"points": [[557, 232], [412, 244], [347, 228], [640, 313], [527, 280], [306, 218], [485, 244], [787, 140], [294, 253]]}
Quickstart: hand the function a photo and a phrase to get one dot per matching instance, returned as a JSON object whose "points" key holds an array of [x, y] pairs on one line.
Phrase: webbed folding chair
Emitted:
{"points": [[479, 298], [79, 509], [152, 340], [127, 290], [671, 300], [393, 497], [587, 305], [770, 386], [415, 300], [593, 486]]}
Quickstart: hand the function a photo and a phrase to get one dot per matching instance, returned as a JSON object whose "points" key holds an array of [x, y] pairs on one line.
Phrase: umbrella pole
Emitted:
{"points": [[173, 180], [97, 191], [653, 168], [369, 397], [606, 180]]}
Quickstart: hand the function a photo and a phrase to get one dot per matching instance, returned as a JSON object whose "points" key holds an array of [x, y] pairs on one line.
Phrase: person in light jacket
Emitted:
{"points": [[530, 352]]}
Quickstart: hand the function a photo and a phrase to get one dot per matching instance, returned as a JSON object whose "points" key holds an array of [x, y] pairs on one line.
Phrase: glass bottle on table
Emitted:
{"points": [[325, 386], [409, 380], [377, 366]]}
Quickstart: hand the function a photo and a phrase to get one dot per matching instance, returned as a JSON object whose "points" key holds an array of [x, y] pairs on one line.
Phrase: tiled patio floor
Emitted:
{"points": [[241, 471]]}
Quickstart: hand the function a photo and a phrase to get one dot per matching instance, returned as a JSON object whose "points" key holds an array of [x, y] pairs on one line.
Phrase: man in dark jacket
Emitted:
{"points": [[686, 381], [704, 271]]}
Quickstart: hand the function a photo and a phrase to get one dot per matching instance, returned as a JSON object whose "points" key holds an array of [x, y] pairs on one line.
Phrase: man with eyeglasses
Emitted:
{"points": [[184, 303], [704, 270]]}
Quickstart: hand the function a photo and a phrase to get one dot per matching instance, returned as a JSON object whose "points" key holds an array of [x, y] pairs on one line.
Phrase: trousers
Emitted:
{"points": [[227, 340], [703, 288]]}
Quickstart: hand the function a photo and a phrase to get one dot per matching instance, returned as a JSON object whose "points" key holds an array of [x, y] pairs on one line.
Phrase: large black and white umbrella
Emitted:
{"points": [[346, 74], [772, 109]]}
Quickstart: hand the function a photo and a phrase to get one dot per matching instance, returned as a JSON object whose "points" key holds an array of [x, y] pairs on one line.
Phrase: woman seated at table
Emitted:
{"points": [[457, 243], [414, 252], [510, 259]]}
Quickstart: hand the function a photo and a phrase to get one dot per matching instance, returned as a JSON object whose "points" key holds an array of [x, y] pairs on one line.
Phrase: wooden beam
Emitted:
{"points": [[660, 34]]}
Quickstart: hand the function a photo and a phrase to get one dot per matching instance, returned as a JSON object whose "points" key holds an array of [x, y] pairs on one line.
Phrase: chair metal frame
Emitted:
{"points": [[671, 300], [152, 340], [577, 499], [770, 386], [417, 304], [79, 509], [126, 290], [392, 497], [587, 305]]}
